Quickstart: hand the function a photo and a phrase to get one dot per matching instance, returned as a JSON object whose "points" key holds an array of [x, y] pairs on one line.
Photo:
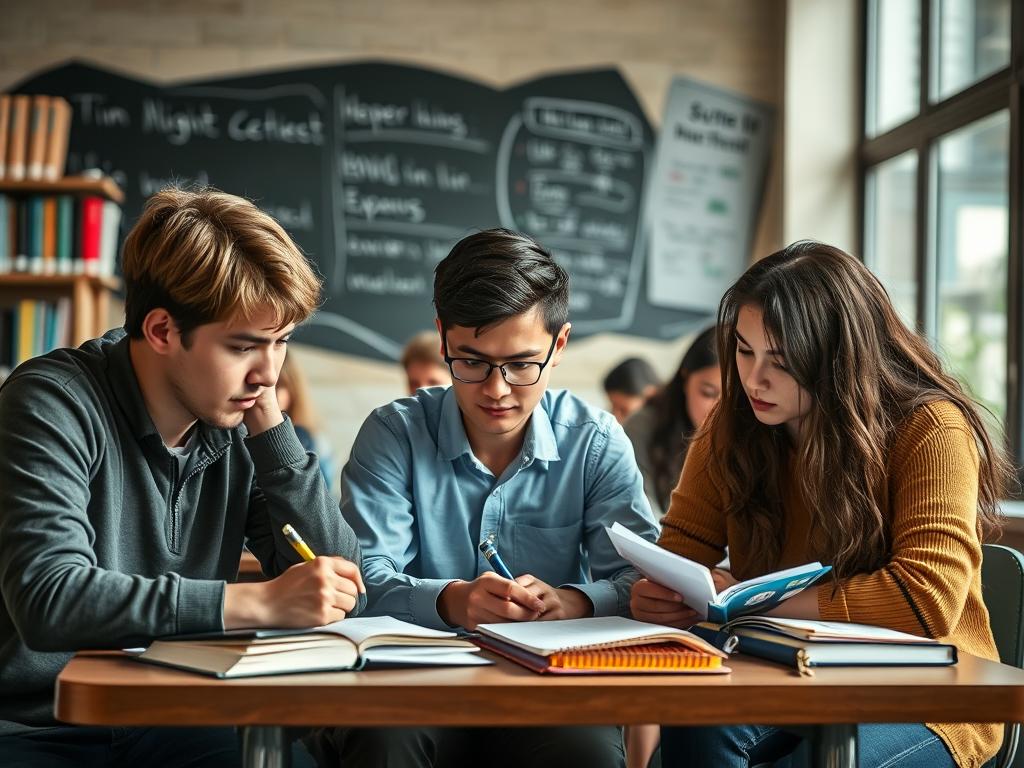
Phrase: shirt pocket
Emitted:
{"points": [[550, 554]]}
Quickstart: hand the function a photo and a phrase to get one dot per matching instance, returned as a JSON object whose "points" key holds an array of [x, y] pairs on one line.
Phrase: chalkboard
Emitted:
{"points": [[377, 169]]}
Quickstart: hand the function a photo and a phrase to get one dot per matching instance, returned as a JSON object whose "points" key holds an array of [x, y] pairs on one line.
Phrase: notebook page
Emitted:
{"points": [[547, 637]]}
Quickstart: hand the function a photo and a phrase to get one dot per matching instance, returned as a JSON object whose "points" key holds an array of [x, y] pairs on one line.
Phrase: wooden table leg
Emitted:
{"points": [[265, 746], [834, 746]]}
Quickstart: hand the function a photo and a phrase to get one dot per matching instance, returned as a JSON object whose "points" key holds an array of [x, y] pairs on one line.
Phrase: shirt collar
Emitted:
{"points": [[125, 384], [452, 441]]}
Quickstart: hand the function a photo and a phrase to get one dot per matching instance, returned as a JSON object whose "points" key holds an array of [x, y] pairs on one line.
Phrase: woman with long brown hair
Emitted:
{"points": [[838, 438]]}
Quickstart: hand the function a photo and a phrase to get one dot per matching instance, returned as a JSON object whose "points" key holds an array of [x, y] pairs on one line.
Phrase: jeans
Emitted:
{"points": [[85, 747], [558, 747], [908, 745]]}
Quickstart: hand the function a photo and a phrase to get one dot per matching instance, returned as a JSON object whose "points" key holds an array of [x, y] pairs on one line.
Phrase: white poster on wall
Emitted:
{"points": [[705, 193]]}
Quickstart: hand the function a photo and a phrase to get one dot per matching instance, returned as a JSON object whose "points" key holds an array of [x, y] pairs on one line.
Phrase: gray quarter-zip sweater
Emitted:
{"points": [[104, 543]]}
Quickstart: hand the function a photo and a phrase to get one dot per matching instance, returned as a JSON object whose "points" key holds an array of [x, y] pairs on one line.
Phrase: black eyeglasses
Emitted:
{"points": [[470, 370]]}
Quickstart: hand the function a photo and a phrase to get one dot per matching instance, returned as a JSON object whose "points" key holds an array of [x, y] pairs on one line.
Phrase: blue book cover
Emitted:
{"points": [[694, 582]]}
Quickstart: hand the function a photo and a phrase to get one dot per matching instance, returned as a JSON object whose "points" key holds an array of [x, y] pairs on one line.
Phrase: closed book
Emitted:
{"points": [[804, 644], [25, 342], [57, 139], [92, 233], [343, 645], [65, 233], [602, 645], [35, 234], [49, 235], [38, 128], [63, 322], [21, 236], [693, 580], [109, 237], [5, 129], [6, 256], [17, 137]]}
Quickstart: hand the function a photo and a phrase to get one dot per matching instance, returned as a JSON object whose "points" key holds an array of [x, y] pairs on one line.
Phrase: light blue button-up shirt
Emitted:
{"points": [[420, 502]]}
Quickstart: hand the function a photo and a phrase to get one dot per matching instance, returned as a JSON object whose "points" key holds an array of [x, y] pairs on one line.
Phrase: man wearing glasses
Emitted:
{"points": [[496, 457]]}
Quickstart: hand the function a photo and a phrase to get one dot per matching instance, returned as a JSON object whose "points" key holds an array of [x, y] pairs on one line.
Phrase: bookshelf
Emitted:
{"points": [[90, 295], [90, 298], [69, 185]]}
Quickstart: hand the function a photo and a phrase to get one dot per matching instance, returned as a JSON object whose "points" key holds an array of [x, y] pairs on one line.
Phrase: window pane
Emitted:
{"points": [[889, 236], [973, 41], [972, 234], [894, 72]]}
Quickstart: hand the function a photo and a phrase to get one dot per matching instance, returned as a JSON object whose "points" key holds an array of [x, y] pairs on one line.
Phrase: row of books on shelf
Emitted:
{"points": [[32, 327], [34, 131], [58, 234]]}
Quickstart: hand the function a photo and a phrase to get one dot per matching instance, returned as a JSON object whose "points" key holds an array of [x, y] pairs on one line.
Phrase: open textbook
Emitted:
{"points": [[345, 644], [805, 644], [693, 581], [607, 644]]}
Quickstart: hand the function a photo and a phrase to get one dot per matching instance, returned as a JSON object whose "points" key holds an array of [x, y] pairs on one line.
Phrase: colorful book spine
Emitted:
{"points": [[5, 127], [92, 234], [17, 137], [5, 236], [57, 139], [65, 234], [39, 122]]}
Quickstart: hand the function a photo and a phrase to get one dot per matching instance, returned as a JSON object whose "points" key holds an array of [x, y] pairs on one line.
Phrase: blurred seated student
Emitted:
{"points": [[496, 456], [839, 438], [294, 399], [628, 385], [133, 468], [661, 430], [423, 362]]}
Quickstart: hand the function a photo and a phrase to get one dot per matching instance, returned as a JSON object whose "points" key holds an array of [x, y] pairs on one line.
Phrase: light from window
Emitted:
{"points": [[894, 71], [973, 39], [971, 241], [889, 236]]}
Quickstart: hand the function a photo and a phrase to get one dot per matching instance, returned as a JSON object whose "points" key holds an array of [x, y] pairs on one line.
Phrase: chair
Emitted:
{"points": [[1002, 586]]}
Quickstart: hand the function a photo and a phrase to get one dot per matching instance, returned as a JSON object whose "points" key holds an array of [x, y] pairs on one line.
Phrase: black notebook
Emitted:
{"points": [[805, 644]]}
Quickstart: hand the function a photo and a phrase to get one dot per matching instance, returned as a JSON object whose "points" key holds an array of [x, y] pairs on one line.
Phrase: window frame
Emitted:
{"points": [[934, 120]]}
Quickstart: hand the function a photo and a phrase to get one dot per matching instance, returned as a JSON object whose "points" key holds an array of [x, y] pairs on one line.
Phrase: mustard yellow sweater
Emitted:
{"points": [[932, 583]]}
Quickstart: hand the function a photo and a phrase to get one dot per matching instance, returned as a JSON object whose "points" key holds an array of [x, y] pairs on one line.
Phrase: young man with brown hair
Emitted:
{"points": [[133, 468]]}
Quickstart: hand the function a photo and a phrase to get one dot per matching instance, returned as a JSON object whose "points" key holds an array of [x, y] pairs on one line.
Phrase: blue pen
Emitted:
{"points": [[489, 551]]}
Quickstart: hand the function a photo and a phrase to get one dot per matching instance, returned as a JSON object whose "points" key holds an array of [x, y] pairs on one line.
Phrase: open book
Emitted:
{"points": [[346, 644], [804, 644], [693, 581], [608, 644]]}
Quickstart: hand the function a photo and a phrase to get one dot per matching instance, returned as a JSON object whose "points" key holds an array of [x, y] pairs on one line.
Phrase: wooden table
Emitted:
{"points": [[112, 690]]}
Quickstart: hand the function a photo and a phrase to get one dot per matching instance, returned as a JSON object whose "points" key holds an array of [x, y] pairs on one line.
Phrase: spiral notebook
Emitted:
{"points": [[604, 645]]}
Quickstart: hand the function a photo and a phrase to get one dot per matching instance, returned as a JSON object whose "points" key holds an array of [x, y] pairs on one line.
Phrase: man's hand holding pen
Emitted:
{"points": [[559, 603], [488, 599]]}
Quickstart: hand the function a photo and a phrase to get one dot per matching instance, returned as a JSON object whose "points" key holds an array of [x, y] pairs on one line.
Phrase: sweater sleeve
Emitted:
{"points": [[936, 551], [58, 597], [694, 525], [291, 489]]}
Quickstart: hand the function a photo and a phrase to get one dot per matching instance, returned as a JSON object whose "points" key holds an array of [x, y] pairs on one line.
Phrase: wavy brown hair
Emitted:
{"points": [[865, 372]]}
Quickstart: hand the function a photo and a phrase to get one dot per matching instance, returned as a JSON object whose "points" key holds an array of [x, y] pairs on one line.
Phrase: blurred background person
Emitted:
{"points": [[293, 397], [661, 429], [424, 366], [628, 385]]}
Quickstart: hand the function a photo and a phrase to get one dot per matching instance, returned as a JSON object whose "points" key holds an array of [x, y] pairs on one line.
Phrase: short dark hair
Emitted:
{"points": [[632, 376], [496, 274]]}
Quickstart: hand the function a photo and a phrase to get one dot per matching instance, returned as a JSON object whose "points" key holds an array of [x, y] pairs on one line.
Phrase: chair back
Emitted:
{"points": [[1002, 585]]}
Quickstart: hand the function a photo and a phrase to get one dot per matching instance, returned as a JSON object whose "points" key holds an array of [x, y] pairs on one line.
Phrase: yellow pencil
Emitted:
{"points": [[297, 543]]}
